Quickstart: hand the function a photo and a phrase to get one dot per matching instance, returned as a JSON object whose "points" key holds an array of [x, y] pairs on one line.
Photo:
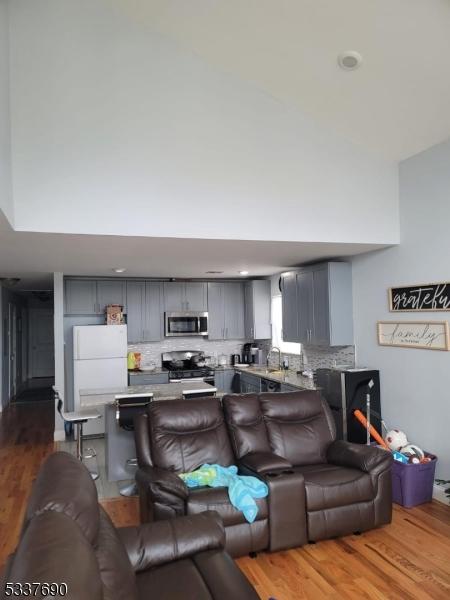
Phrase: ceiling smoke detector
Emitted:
{"points": [[119, 270], [243, 272], [349, 60]]}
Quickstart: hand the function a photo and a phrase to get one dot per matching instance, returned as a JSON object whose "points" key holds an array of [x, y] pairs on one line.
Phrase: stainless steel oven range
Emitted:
{"points": [[187, 365]]}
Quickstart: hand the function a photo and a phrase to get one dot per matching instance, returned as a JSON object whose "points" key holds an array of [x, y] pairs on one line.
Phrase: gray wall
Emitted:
{"points": [[415, 383], [20, 301]]}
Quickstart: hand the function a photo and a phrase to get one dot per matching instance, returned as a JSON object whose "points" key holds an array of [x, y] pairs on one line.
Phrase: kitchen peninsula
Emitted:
{"points": [[90, 398]]}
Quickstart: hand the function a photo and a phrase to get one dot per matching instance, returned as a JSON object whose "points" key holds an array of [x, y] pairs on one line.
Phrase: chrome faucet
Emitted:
{"points": [[279, 356]]}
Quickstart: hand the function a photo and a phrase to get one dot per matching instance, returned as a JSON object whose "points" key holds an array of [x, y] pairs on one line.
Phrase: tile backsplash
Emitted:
{"points": [[312, 356], [153, 350], [315, 357]]}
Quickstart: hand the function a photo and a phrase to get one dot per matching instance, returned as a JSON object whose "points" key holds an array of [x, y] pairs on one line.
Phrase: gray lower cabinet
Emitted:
{"points": [[226, 311], [224, 380], [181, 296], [147, 378], [317, 305], [144, 311], [257, 299], [249, 383], [285, 387], [80, 297]]}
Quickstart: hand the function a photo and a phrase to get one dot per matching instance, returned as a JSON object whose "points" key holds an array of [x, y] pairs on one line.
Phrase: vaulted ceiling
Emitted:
{"points": [[395, 104]]}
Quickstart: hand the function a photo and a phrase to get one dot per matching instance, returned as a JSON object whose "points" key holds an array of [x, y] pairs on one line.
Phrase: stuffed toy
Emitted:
{"points": [[396, 439], [413, 453]]}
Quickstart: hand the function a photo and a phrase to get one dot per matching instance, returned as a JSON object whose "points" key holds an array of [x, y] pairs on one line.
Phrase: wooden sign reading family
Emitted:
{"points": [[425, 297]]}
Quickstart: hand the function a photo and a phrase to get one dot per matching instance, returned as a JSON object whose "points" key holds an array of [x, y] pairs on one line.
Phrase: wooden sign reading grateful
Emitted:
{"points": [[423, 297]]}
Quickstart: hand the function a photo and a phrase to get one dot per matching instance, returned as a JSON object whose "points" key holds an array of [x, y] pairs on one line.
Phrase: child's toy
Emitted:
{"points": [[373, 432], [413, 453], [400, 457], [396, 439]]}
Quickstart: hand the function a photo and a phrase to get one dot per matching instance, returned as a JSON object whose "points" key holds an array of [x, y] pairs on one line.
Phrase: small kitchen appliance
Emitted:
{"points": [[235, 359], [186, 323], [247, 353]]}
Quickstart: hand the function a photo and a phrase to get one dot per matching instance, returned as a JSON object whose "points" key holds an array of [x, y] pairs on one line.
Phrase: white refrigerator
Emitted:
{"points": [[99, 361]]}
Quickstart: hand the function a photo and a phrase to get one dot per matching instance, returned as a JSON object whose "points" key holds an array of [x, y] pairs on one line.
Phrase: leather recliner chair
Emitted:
{"points": [[179, 436], [68, 538], [347, 487]]}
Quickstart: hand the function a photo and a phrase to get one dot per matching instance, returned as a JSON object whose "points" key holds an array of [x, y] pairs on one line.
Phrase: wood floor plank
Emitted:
{"points": [[407, 560]]}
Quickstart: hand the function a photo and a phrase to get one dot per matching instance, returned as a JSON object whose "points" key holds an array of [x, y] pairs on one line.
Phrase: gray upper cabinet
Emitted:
{"points": [[257, 310], [90, 296], [180, 296], [153, 314], [234, 311], [305, 311], [144, 316], [317, 305], [81, 297], [226, 311], [196, 296], [111, 292], [289, 307], [174, 293], [215, 311], [321, 331], [135, 314]]}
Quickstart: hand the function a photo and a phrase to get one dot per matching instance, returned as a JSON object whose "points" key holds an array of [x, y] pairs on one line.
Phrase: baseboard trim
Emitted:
{"points": [[440, 495], [59, 435]]}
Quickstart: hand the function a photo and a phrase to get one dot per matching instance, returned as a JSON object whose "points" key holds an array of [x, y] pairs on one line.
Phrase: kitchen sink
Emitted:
{"points": [[267, 371]]}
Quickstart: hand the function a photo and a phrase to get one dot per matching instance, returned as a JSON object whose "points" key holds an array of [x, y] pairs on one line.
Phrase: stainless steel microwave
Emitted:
{"points": [[185, 323]]}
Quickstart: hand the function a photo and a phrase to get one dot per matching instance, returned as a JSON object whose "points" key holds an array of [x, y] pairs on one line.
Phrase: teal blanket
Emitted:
{"points": [[241, 489]]}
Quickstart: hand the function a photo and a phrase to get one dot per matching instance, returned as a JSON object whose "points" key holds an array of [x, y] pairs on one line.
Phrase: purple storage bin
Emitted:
{"points": [[412, 484]]}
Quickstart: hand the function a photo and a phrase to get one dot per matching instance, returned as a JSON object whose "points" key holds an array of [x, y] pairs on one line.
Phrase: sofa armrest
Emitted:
{"points": [[163, 491], [263, 462], [369, 459], [161, 542]]}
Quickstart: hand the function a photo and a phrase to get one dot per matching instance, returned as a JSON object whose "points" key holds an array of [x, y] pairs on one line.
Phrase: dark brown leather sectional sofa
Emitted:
{"points": [[318, 487], [68, 538]]}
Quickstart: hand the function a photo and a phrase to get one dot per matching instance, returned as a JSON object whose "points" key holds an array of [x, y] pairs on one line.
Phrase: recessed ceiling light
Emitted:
{"points": [[214, 272], [243, 272], [119, 270], [349, 60]]}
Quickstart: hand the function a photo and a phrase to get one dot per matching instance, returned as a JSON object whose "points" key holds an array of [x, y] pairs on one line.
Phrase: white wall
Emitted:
{"points": [[415, 383], [6, 204], [112, 122]]}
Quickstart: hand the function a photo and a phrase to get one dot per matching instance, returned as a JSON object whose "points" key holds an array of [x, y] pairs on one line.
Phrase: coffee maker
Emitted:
{"points": [[247, 353]]}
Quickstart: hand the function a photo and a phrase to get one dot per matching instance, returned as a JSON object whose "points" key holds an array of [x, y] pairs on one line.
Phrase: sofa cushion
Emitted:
{"points": [[330, 486], [245, 424], [184, 435], [299, 426], [201, 499], [179, 579], [62, 486], [53, 548], [116, 572]]}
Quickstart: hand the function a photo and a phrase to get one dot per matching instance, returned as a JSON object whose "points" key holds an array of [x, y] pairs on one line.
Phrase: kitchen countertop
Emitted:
{"points": [[157, 371], [161, 391], [287, 377]]}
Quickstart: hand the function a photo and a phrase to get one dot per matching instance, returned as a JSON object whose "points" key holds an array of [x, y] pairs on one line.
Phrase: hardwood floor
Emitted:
{"points": [[408, 560]]}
